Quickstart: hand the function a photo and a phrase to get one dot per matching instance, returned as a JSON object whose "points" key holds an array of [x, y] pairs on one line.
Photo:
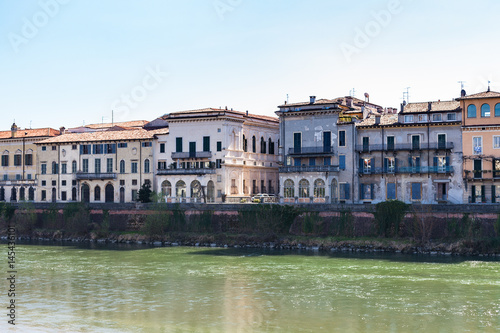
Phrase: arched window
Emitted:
{"points": [[109, 193], [31, 193], [166, 189], [28, 157], [334, 190], [254, 145], [270, 146], [73, 167], [73, 194], [122, 166], [2, 194], [262, 145], [497, 110], [180, 189], [146, 166], [304, 188], [210, 191], [97, 193], [13, 194], [471, 111], [22, 194], [17, 157], [245, 143], [485, 110], [319, 188], [85, 193], [5, 158], [195, 189], [289, 189]]}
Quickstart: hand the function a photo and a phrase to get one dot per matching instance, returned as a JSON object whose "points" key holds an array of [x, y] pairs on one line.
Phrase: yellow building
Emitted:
{"points": [[103, 166], [481, 146], [18, 175]]}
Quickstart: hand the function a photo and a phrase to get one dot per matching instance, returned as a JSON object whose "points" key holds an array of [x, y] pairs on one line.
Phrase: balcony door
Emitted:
{"points": [[415, 142], [192, 149], [297, 142], [441, 141], [327, 142], [477, 168]]}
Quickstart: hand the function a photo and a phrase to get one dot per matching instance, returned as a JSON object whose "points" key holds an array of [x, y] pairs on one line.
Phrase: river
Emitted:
{"points": [[94, 288]]}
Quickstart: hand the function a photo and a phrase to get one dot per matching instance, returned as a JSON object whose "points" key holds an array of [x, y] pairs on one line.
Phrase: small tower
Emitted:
{"points": [[13, 130]]}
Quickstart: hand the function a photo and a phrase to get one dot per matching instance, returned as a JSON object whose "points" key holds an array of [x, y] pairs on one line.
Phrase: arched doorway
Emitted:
{"points": [[31, 194], [109, 193], [85, 193], [180, 189], [210, 191], [13, 194], [196, 190], [73, 194], [54, 194], [334, 191], [22, 194], [97, 193], [122, 194], [166, 189]]}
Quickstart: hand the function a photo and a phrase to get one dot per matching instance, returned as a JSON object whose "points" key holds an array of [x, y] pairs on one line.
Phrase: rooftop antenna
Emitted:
{"points": [[461, 84], [489, 85], [286, 98], [30, 124], [352, 92]]}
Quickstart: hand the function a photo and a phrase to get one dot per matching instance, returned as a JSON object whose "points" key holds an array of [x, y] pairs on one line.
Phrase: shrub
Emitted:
{"points": [[76, 218], [388, 217], [25, 219]]}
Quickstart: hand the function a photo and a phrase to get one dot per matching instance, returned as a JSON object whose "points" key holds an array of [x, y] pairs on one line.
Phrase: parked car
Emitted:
{"points": [[261, 197]]}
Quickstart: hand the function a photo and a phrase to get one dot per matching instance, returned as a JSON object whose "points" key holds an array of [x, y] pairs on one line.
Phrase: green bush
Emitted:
{"points": [[25, 218], [76, 218], [388, 217]]}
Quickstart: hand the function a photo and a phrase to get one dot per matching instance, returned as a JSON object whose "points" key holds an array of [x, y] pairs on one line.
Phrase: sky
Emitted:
{"points": [[74, 62]]}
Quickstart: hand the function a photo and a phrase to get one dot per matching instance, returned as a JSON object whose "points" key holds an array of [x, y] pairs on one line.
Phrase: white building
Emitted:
{"points": [[216, 154]]}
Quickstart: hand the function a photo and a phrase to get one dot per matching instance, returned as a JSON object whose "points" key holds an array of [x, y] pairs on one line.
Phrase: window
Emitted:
{"points": [[219, 146], [254, 145], [477, 145], [436, 117], [5, 160], [28, 159], [63, 183], [54, 147], [485, 110], [133, 167], [98, 149], [497, 110], [416, 191], [55, 168], [206, 143], [391, 191], [262, 145], [29, 176], [327, 161], [441, 141], [366, 165], [289, 189], [408, 118], [110, 148], [54, 182], [341, 138], [390, 143], [44, 148], [122, 166], [319, 188], [146, 166], [44, 183], [73, 167], [496, 142], [441, 162], [245, 144], [17, 159], [44, 168], [270, 146], [452, 116], [218, 163], [63, 195], [85, 165], [74, 147], [496, 169], [414, 163], [97, 165], [84, 149], [366, 191], [162, 147], [478, 168], [147, 144], [344, 191], [297, 142], [219, 193], [109, 165], [389, 164], [304, 189], [134, 181], [422, 118], [64, 168], [122, 145], [312, 161], [218, 130], [415, 142], [342, 162], [97, 193], [219, 178], [44, 195], [471, 111], [178, 145], [134, 195], [366, 143]]}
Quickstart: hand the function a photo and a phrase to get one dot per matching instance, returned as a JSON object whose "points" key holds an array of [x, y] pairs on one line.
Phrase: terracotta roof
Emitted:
{"points": [[484, 94], [30, 133], [385, 119], [317, 102], [94, 127], [435, 106], [101, 136], [214, 111]]}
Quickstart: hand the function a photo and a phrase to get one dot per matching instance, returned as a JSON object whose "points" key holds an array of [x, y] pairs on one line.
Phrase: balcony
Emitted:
{"points": [[405, 146], [310, 151], [188, 171], [192, 154], [402, 170], [310, 168], [93, 176], [17, 181]]}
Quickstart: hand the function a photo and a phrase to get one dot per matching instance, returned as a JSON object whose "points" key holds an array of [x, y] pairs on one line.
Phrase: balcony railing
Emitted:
{"points": [[399, 170], [405, 146], [188, 171], [16, 181], [90, 176], [310, 168], [193, 154], [310, 151]]}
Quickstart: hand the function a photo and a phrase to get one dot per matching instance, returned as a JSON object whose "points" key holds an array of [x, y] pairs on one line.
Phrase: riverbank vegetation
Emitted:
{"points": [[393, 224]]}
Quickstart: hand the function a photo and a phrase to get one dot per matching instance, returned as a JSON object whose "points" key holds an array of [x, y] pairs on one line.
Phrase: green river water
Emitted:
{"points": [[91, 288]]}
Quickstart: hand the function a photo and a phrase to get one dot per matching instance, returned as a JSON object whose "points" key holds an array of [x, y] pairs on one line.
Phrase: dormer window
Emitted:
{"points": [[408, 118], [452, 116], [436, 117], [422, 118]]}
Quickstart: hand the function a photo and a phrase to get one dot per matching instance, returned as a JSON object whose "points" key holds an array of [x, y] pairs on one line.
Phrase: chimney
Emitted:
{"points": [[312, 99], [348, 101], [13, 130], [462, 93], [403, 106], [62, 130], [247, 113], [429, 106]]}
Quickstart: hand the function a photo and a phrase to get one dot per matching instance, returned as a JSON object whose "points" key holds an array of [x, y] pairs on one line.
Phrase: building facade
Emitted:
{"points": [[413, 156], [18, 180], [216, 155], [104, 166], [481, 144]]}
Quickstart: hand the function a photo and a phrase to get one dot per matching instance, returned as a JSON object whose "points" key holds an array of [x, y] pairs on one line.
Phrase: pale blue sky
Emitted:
{"points": [[85, 56]]}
